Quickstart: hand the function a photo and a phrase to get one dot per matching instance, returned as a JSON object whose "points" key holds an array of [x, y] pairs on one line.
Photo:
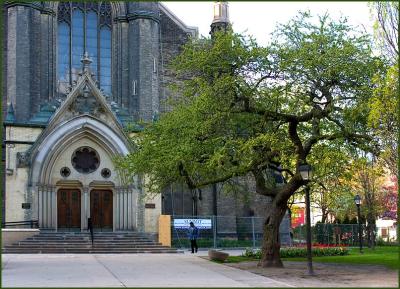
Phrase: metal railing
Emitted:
{"points": [[21, 224]]}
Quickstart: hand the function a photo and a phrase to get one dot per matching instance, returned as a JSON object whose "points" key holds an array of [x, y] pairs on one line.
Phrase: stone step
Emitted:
{"points": [[83, 246], [83, 243], [89, 238], [87, 251], [33, 240], [85, 238], [80, 242], [71, 250]]}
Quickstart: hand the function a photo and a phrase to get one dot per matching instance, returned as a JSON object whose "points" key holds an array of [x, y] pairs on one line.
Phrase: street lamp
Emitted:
{"points": [[306, 173], [357, 201]]}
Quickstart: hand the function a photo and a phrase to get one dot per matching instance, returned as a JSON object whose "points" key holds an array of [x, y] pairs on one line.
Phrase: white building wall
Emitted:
{"points": [[16, 187]]}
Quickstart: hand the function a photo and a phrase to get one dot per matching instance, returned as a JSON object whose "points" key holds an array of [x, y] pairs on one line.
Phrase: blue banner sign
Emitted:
{"points": [[199, 223]]}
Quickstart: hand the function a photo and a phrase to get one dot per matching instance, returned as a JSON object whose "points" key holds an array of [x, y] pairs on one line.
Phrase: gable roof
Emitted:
{"points": [[85, 85], [63, 114], [194, 31]]}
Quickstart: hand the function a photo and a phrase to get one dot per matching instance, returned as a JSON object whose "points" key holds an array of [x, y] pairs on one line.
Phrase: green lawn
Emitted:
{"points": [[387, 256]]}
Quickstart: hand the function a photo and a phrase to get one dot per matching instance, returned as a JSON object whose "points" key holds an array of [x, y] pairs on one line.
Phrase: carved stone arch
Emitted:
{"points": [[80, 134], [117, 8], [51, 5], [46, 153]]}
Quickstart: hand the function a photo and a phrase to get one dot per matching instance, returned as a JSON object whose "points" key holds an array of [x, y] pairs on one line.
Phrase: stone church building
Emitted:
{"points": [[75, 76]]}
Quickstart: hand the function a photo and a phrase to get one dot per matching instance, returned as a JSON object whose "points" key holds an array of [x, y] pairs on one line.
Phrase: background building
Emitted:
{"points": [[75, 75]]}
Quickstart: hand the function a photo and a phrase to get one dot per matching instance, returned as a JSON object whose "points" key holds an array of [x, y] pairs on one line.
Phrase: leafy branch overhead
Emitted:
{"points": [[245, 109]]}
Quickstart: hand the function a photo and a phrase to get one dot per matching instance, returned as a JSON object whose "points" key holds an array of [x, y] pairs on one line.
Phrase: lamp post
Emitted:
{"points": [[306, 174], [357, 201]]}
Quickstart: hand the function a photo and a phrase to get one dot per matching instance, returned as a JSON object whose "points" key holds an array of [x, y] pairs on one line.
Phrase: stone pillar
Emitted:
{"points": [[19, 60], [45, 206], [121, 208], [129, 208], [115, 197], [140, 208], [40, 190], [143, 40], [48, 206], [47, 56], [31, 53], [85, 212], [120, 61], [134, 203], [54, 208]]}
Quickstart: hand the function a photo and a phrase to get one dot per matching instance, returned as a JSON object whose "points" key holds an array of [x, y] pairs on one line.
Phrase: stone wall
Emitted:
{"points": [[172, 39], [11, 236], [18, 140]]}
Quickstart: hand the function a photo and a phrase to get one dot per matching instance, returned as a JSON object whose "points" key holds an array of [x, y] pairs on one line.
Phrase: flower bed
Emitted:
{"points": [[301, 252]]}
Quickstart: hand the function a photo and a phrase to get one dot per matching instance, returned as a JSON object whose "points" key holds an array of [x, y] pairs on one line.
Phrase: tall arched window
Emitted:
{"points": [[84, 27]]}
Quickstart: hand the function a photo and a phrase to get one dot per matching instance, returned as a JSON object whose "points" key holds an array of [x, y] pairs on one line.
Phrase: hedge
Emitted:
{"points": [[301, 252]]}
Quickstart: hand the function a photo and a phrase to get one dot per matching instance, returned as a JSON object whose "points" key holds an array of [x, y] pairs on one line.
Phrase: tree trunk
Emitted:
{"points": [[271, 245], [324, 215], [371, 230]]}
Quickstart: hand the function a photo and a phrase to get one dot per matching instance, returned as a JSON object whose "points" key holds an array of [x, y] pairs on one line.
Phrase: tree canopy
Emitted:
{"points": [[245, 109]]}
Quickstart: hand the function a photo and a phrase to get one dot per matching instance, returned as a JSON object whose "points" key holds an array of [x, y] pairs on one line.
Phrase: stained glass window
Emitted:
{"points": [[84, 27]]}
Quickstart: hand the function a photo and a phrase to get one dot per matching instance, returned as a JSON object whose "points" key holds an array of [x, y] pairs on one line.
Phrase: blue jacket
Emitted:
{"points": [[193, 233]]}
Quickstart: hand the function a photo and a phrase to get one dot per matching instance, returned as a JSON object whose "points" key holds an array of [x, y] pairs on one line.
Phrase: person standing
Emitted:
{"points": [[90, 228], [193, 234]]}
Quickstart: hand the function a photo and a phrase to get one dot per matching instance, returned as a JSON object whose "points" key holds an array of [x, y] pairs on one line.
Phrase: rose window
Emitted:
{"points": [[85, 160]]}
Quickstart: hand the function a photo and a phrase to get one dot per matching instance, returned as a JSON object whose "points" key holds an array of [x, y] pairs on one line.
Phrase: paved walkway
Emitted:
{"points": [[125, 270]]}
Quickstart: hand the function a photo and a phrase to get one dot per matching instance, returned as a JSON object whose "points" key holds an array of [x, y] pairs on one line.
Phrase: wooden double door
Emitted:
{"points": [[69, 209], [101, 209]]}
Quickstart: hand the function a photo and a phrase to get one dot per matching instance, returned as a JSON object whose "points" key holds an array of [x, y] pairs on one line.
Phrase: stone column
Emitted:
{"points": [[47, 59], [18, 61], [143, 40], [54, 208], [40, 205], [121, 208], [134, 203], [85, 212], [126, 207], [48, 206], [115, 214], [140, 208], [129, 208]]}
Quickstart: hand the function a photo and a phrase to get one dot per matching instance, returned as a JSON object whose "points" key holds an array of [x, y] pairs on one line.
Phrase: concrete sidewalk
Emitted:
{"points": [[125, 270]]}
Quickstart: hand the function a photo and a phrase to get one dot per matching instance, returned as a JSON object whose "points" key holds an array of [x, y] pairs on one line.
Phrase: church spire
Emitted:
{"points": [[221, 16]]}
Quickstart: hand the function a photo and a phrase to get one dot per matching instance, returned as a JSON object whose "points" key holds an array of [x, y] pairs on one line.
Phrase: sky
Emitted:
{"points": [[260, 18]]}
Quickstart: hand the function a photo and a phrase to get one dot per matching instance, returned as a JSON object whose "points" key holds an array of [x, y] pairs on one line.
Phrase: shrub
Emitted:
{"points": [[301, 252], [316, 252], [381, 242]]}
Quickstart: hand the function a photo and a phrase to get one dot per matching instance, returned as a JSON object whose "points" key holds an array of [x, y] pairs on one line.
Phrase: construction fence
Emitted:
{"points": [[330, 234], [247, 232], [224, 231]]}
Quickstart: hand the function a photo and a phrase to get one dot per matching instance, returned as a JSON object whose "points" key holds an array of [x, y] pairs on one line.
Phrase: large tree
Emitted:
{"points": [[250, 110], [368, 182], [332, 176], [385, 102], [386, 27]]}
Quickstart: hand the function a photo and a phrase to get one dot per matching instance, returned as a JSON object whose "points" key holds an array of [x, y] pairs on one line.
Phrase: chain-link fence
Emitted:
{"points": [[224, 231], [330, 234], [242, 232]]}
